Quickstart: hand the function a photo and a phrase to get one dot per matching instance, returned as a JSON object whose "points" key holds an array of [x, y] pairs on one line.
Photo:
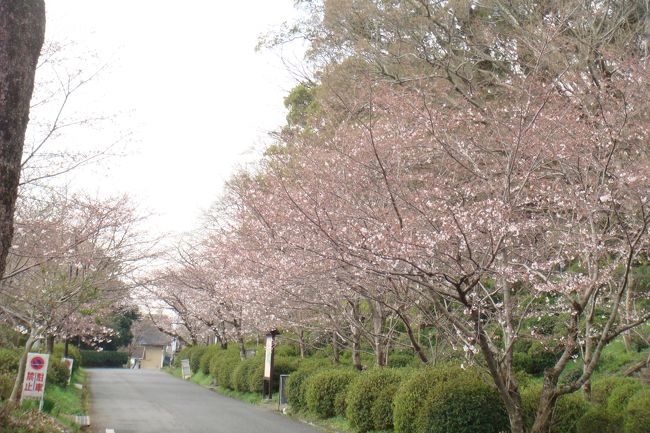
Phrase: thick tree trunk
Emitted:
{"points": [[22, 29], [544, 414], [378, 327], [628, 313], [49, 344], [356, 348], [18, 383], [356, 335]]}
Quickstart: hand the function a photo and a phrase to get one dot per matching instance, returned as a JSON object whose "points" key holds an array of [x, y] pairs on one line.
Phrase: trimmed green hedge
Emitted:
{"points": [[413, 390], [195, 357], [465, 404], [57, 372], [106, 359], [369, 399], [241, 376], [598, 420], [296, 386], [322, 389]]}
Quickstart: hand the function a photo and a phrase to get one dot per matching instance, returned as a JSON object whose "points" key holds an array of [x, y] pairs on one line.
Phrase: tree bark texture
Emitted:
{"points": [[18, 383], [22, 30]]}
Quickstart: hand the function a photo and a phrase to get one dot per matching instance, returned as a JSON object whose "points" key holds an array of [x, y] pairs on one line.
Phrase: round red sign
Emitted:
{"points": [[37, 362]]}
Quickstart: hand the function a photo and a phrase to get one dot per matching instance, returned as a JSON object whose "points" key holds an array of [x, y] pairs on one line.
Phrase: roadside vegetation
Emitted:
{"points": [[408, 396], [62, 400]]}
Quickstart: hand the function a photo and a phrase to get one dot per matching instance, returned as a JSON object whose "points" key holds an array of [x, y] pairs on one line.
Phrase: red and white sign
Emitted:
{"points": [[69, 362], [35, 375]]}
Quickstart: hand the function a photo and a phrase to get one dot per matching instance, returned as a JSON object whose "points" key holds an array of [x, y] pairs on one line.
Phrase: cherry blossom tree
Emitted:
{"points": [[70, 264]]}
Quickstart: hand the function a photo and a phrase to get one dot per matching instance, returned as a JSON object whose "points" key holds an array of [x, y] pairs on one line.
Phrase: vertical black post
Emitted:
{"points": [[65, 347]]}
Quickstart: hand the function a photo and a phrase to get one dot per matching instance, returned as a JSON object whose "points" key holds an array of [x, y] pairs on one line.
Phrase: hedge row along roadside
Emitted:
{"points": [[421, 400], [451, 399], [228, 370], [106, 359]]}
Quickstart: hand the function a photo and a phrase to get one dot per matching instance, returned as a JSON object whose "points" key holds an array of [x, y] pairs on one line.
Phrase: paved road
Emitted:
{"points": [[150, 401]]}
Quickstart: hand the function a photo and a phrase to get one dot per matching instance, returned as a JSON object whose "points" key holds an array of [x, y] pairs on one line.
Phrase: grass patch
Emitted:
{"points": [[336, 424], [202, 379], [248, 397]]}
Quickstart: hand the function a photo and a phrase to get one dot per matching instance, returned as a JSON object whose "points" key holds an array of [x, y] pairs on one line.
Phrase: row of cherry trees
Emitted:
{"points": [[468, 170], [409, 213]]}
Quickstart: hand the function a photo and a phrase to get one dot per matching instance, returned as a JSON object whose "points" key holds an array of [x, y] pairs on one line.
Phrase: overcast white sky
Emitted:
{"points": [[183, 79]]}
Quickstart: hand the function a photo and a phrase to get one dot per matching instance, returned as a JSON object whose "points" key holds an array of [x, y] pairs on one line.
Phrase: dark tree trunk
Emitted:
{"points": [[301, 343], [49, 344], [22, 29], [18, 383], [335, 348]]}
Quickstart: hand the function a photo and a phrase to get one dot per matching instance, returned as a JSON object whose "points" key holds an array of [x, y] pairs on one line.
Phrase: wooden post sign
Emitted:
{"points": [[185, 369], [268, 364], [35, 376]]}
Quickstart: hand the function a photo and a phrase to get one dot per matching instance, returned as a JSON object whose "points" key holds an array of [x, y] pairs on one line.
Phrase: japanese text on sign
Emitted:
{"points": [[35, 375]]}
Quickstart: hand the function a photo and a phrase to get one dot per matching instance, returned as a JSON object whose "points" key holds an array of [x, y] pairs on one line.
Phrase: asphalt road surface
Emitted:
{"points": [[150, 401]]}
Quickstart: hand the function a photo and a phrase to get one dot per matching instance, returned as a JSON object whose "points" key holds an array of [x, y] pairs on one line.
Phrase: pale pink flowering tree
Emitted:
{"points": [[484, 213]]}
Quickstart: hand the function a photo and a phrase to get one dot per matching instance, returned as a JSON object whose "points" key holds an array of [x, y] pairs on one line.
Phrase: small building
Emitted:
{"points": [[151, 346]]}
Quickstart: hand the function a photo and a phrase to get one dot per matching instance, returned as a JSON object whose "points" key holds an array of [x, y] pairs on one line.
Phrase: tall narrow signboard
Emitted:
{"points": [[35, 376], [268, 364]]}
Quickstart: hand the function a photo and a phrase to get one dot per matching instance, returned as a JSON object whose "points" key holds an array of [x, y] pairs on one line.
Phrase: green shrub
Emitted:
{"points": [[341, 402], [224, 366], [9, 359], [398, 360], [256, 378], [287, 350], [382, 408], [281, 365], [6, 385], [637, 413], [206, 357], [617, 400], [195, 357], [185, 353], [106, 358], [57, 372], [322, 388], [241, 375], [296, 386], [464, 404], [413, 390], [73, 352], [598, 420], [568, 410], [363, 394], [602, 388]]}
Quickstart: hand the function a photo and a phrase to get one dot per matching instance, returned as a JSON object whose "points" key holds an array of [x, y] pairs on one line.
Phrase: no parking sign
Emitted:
{"points": [[35, 375]]}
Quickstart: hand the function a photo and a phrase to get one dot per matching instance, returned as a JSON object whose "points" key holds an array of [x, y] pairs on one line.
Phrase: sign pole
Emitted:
{"points": [[268, 364]]}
